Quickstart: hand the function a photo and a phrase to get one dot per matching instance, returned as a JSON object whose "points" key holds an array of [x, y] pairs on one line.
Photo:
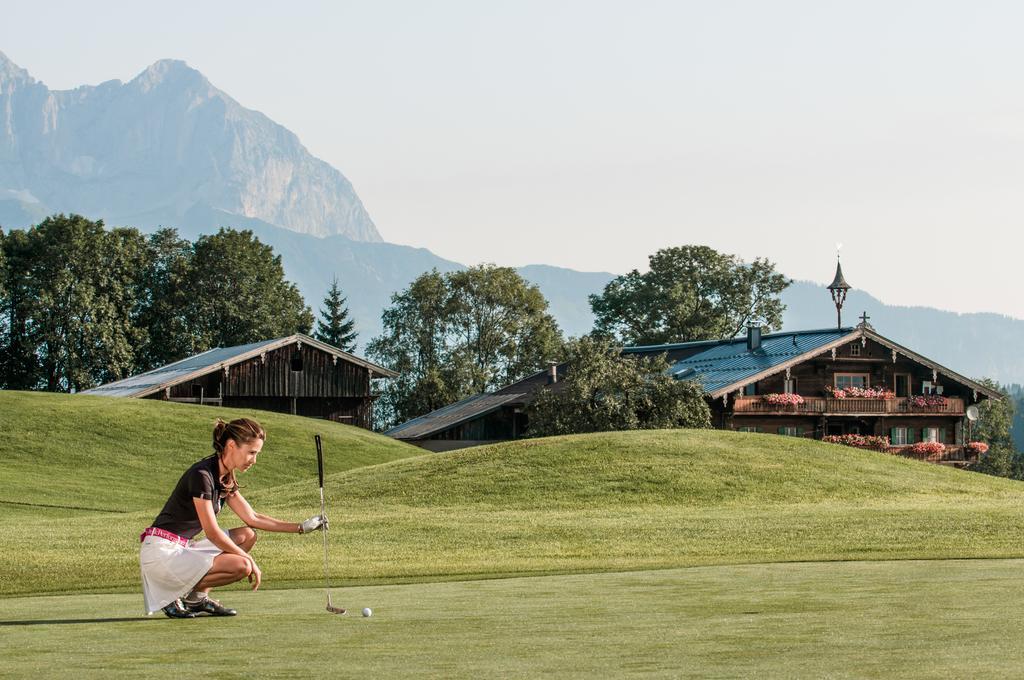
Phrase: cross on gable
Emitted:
{"points": [[864, 319]]}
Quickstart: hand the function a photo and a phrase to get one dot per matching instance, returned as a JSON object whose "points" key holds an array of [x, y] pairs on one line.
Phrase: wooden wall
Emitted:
{"points": [[815, 374], [324, 388], [320, 376]]}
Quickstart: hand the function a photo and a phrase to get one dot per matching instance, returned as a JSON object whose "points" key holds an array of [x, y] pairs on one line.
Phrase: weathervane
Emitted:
{"points": [[838, 289]]}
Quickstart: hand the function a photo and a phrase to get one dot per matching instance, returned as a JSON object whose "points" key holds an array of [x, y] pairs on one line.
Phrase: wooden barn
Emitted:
{"points": [[296, 374]]}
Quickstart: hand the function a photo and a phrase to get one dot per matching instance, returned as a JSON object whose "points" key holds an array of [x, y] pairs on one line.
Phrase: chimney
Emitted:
{"points": [[552, 373], [753, 337]]}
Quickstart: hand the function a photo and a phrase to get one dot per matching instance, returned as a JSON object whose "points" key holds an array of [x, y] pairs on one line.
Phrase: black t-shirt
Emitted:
{"points": [[202, 480]]}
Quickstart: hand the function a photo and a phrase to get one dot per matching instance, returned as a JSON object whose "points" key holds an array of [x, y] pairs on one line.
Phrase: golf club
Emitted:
{"points": [[323, 514]]}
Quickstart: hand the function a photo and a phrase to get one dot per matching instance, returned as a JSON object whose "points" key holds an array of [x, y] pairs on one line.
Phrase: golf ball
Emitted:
{"points": [[367, 611]]}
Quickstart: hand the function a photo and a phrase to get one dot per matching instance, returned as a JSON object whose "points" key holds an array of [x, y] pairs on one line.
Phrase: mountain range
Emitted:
{"points": [[169, 149], [147, 151]]}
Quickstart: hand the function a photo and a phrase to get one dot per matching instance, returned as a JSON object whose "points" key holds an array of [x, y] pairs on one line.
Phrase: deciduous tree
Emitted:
{"points": [[690, 293], [453, 335], [605, 390], [70, 307], [234, 292]]}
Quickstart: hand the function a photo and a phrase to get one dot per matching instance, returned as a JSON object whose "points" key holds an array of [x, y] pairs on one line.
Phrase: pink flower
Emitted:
{"points": [[860, 441], [783, 399], [927, 448]]}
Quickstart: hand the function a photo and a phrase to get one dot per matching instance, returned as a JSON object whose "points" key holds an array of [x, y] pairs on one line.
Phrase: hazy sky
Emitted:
{"points": [[590, 134]]}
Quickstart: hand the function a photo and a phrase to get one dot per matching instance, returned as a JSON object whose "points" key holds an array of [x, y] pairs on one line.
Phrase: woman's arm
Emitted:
{"points": [[241, 507], [217, 536]]}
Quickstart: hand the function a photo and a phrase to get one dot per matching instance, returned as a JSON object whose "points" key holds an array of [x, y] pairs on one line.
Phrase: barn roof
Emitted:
{"points": [[145, 384], [449, 416]]}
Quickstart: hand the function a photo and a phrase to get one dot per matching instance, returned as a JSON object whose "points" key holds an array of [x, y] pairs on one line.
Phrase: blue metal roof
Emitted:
{"points": [[728, 362]]}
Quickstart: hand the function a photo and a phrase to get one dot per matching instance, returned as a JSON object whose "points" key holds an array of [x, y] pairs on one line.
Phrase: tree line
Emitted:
{"points": [[82, 305]]}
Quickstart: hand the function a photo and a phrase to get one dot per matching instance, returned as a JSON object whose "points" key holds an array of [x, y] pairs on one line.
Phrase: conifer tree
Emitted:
{"points": [[334, 326]]}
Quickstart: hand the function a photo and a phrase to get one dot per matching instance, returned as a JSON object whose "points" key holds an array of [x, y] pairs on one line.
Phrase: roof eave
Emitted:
{"points": [[239, 358], [858, 332]]}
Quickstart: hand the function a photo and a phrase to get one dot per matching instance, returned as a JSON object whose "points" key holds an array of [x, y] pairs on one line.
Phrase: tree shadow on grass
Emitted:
{"points": [[59, 622]]}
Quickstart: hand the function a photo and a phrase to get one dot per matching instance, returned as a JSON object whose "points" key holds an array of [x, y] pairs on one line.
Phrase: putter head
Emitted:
{"points": [[335, 610]]}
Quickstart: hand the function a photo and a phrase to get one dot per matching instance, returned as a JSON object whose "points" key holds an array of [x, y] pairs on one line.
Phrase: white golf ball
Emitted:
{"points": [[367, 611]]}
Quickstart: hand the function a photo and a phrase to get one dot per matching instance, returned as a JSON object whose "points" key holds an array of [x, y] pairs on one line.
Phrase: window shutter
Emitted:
{"points": [[911, 434], [892, 435], [941, 435], [799, 432], [782, 430]]}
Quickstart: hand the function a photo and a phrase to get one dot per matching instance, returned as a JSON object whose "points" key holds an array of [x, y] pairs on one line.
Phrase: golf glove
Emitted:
{"points": [[314, 523]]}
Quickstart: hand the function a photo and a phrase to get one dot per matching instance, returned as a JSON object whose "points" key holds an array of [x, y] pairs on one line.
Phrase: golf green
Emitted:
{"points": [[903, 619]]}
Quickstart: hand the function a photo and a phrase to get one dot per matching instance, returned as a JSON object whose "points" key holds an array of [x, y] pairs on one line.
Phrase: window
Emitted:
{"points": [[748, 428], [933, 434], [750, 390], [927, 387], [901, 385], [854, 349], [790, 430], [847, 380], [899, 436], [789, 386]]}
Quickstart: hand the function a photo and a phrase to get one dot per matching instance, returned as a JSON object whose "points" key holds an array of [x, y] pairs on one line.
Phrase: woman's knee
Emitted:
{"points": [[244, 536], [243, 567]]}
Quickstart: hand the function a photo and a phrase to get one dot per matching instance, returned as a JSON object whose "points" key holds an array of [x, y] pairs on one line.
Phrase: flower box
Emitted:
{"points": [[926, 402], [976, 448], [926, 449], [860, 393], [786, 400], [860, 441]]}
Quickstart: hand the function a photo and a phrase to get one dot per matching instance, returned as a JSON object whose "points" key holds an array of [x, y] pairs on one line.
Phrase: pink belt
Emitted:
{"points": [[161, 533]]}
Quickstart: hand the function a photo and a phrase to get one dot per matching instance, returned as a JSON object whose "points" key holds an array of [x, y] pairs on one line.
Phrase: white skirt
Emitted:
{"points": [[170, 569]]}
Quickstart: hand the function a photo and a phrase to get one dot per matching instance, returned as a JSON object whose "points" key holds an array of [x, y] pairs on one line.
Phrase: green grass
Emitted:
{"points": [[696, 553], [607, 502], [127, 454], [847, 620]]}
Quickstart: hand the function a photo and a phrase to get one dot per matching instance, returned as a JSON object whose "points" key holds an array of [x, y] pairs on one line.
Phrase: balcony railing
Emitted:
{"points": [[952, 406]]}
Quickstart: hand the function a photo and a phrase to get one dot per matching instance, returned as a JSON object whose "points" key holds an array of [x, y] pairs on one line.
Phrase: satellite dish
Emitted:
{"points": [[972, 413]]}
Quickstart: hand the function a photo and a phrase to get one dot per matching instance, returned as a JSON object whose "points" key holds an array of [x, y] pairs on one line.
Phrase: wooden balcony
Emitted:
{"points": [[953, 406]]}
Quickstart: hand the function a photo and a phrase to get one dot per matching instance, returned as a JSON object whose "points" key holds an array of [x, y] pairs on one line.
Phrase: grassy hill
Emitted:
{"points": [[604, 502], [119, 455]]}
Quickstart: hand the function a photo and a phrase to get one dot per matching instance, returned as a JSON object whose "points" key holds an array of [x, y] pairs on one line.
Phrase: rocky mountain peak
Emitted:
{"points": [[172, 73], [161, 147], [11, 72]]}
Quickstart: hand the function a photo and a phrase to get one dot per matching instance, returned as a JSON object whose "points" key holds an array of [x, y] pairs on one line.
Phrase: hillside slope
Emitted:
{"points": [[602, 502], [120, 455]]}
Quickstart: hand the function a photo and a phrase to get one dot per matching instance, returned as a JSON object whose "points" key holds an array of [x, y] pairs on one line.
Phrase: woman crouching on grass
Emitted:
{"points": [[178, 572]]}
